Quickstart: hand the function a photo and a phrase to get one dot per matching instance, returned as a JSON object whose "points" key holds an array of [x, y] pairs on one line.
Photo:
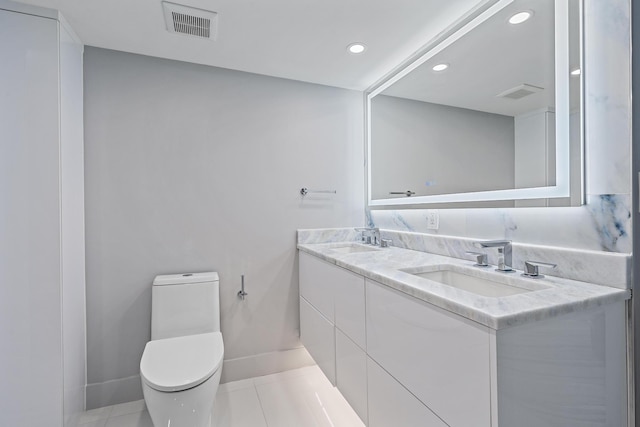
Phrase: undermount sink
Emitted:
{"points": [[351, 248], [455, 277]]}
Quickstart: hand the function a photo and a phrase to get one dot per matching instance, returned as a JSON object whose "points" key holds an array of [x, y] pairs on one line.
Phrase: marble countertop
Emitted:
{"points": [[553, 296]]}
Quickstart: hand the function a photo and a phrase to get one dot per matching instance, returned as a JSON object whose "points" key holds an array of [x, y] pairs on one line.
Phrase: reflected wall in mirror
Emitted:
{"points": [[490, 113]]}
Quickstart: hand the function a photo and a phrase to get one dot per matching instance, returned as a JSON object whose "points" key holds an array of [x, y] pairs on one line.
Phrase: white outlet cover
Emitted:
{"points": [[433, 220]]}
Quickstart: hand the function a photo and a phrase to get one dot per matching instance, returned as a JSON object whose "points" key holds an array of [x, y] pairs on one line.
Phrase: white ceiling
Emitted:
{"points": [[296, 39]]}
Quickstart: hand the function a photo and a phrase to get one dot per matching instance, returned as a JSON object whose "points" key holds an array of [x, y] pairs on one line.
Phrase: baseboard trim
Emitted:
{"points": [[130, 388], [74, 404], [265, 364], [113, 392]]}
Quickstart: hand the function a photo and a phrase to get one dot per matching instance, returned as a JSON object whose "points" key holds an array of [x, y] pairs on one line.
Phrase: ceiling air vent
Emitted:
{"points": [[520, 91], [190, 21]]}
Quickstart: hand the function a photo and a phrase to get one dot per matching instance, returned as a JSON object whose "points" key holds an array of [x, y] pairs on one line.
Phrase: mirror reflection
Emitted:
{"points": [[480, 113]]}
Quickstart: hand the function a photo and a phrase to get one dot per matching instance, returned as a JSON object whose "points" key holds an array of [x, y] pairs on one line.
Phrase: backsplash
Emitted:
{"points": [[328, 235], [603, 224], [603, 268]]}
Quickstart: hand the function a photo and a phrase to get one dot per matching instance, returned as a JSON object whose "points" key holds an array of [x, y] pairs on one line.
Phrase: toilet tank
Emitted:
{"points": [[185, 304]]}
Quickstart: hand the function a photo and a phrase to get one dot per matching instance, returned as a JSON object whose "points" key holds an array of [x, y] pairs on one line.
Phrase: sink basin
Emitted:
{"points": [[351, 248], [503, 287]]}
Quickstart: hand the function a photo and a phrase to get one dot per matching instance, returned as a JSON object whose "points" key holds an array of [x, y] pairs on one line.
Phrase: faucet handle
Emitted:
{"points": [[481, 258], [363, 236], [531, 268], [375, 236]]}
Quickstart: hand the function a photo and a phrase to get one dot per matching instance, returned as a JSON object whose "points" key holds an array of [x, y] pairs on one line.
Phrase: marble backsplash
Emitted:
{"points": [[603, 268], [328, 235], [603, 224]]}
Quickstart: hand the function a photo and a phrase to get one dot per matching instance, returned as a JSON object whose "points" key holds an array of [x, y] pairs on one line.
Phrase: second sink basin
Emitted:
{"points": [[350, 248], [457, 277]]}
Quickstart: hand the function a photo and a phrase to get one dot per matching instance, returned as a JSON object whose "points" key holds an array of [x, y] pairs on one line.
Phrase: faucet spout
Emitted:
{"points": [[506, 250]]}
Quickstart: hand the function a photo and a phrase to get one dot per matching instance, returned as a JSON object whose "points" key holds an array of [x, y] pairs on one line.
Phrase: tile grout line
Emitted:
{"points": [[99, 417], [264, 416]]}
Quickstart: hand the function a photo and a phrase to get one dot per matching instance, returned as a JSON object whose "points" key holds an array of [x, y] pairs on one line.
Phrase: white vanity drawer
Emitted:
{"points": [[318, 336], [440, 357], [349, 305], [335, 292], [351, 374], [317, 279], [390, 404]]}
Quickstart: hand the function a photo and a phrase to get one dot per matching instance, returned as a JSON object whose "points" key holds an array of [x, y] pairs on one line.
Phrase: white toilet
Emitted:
{"points": [[181, 365]]}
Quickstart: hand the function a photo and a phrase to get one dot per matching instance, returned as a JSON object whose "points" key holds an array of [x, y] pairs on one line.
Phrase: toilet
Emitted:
{"points": [[181, 366]]}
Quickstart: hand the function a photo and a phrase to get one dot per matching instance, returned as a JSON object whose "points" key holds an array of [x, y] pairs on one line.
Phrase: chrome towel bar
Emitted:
{"points": [[407, 193], [304, 191]]}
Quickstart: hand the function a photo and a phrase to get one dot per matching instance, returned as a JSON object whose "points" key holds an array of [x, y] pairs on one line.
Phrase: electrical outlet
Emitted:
{"points": [[433, 220]]}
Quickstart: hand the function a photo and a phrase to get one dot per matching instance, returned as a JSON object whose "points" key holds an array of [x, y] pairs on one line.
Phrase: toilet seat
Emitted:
{"points": [[180, 363]]}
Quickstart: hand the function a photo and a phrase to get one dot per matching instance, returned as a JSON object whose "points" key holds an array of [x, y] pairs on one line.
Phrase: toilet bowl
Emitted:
{"points": [[180, 377], [181, 366]]}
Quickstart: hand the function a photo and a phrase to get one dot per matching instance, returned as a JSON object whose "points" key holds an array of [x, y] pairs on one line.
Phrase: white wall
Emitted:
{"points": [[604, 223], [410, 138], [193, 168]]}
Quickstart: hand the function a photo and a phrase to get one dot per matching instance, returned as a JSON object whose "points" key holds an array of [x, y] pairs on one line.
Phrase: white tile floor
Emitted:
{"points": [[298, 398]]}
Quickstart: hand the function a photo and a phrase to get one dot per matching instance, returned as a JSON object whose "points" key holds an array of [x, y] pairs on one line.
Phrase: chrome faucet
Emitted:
{"points": [[481, 258], [504, 247], [370, 235]]}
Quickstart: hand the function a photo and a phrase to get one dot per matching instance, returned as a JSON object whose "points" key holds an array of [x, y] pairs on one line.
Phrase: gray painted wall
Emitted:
{"points": [[193, 168], [456, 150]]}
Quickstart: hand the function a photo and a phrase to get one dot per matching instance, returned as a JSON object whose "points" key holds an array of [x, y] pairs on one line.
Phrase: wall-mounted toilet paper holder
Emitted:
{"points": [[241, 292]]}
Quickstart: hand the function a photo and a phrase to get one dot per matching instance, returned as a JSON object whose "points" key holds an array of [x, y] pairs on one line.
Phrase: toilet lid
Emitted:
{"points": [[176, 364]]}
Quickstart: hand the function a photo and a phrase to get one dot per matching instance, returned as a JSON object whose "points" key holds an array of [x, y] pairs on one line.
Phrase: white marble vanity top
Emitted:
{"points": [[559, 297]]}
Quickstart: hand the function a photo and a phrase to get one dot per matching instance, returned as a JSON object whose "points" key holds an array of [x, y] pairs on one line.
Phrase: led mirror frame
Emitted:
{"points": [[562, 189]]}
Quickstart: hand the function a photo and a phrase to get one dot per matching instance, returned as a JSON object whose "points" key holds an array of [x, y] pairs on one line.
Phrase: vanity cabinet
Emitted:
{"points": [[566, 371], [401, 361], [332, 326], [351, 373], [335, 292], [349, 303], [316, 284], [318, 336], [441, 358], [391, 404]]}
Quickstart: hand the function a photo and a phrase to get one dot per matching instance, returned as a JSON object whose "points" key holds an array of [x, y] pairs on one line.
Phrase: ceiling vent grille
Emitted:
{"points": [[520, 91], [190, 21]]}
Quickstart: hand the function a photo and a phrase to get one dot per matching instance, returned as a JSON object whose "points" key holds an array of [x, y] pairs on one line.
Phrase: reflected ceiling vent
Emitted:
{"points": [[190, 21], [520, 91]]}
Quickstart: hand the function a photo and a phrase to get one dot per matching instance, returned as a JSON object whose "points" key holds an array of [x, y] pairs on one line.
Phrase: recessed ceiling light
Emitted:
{"points": [[356, 48], [520, 17], [575, 72], [440, 67]]}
